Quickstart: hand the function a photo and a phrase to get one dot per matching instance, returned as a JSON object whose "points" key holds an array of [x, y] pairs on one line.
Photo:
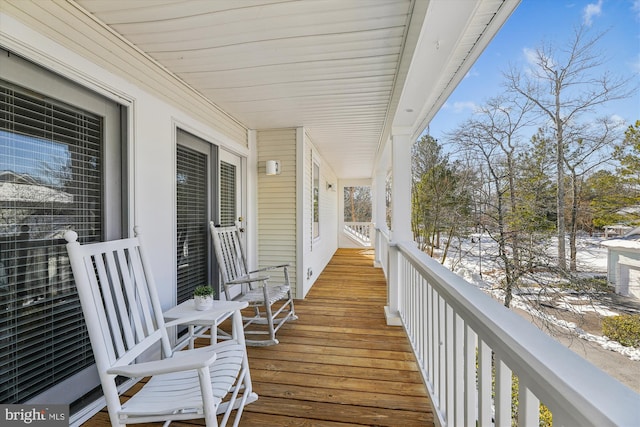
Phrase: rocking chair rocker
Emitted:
{"points": [[125, 323], [253, 287]]}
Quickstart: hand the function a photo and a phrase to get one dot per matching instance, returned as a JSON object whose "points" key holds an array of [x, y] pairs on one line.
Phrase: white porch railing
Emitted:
{"points": [[382, 251], [468, 346], [360, 232]]}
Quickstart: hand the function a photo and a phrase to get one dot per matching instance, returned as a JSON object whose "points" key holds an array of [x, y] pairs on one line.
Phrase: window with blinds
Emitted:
{"points": [[315, 194], [228, 196], [192, 205], [51, 179]]}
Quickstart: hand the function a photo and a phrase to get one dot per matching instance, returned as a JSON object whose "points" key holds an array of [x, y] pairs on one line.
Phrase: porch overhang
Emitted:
{"points": [[350, 72]]}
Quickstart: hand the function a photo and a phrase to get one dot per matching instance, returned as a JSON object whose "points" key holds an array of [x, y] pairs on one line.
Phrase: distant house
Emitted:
{"points": [[616, 230], [623, 263]]}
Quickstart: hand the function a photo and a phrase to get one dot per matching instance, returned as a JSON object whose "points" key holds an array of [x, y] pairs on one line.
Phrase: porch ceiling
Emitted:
{"points": [[348, 70]]}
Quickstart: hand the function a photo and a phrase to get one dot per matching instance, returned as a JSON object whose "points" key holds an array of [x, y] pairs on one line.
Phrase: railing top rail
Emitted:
{"points": [[554, 372]]}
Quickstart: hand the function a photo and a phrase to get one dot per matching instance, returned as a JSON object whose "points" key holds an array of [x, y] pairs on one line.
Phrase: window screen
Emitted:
{"points": [[50, 180], [192, 204], [228, 194]]}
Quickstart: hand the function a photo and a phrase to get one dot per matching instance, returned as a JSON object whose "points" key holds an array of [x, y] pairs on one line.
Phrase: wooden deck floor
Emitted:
{"points": [[339, 364]]}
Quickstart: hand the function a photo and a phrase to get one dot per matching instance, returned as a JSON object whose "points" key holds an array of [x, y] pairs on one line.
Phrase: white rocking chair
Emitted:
{"points": [[254, 287], [125, 323]]}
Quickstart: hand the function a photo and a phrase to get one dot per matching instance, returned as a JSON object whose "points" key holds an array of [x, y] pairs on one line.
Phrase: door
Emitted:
{"points": [[195, 201], [60, 168]]}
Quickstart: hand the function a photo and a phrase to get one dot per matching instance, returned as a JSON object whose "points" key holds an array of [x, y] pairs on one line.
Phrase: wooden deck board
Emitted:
{"points": [[339, 364]]}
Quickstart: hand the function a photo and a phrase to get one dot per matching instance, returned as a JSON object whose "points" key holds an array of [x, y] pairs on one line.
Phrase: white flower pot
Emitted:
{"points": [[203, 303]]}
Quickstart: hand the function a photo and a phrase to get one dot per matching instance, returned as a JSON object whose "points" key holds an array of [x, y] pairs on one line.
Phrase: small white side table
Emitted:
{"points": [[208, 319]]}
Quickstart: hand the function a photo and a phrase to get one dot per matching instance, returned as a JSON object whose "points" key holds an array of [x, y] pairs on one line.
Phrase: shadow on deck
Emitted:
{"points": [[339, 364]]}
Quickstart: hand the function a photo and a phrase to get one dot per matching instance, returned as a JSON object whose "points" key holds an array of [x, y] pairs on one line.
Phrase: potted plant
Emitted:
{"points": [[203, 297]]}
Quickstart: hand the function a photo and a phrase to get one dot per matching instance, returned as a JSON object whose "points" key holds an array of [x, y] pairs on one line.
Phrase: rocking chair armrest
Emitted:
{"points": [[247, 279], [188, 362], [271, 267]]}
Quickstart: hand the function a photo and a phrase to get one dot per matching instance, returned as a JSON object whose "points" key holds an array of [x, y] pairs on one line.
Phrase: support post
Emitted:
{"points": [[401, 188], [400, 219], [379, 211], [393, 290]]}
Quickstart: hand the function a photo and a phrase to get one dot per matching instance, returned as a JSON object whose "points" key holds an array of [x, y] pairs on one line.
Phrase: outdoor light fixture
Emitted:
{"points": [[273, 167]]}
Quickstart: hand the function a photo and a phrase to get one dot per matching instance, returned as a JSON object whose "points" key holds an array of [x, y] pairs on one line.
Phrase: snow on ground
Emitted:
{"points": [[473, 259]]}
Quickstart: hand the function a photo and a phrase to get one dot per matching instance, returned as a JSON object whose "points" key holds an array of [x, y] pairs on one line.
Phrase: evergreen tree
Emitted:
{"points": [[536, 210], [440, 202], [607, 195]]}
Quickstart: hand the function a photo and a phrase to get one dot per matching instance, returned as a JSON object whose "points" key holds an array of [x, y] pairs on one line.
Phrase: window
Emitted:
{"points": [[315, 191], [55, 156], [228, 196], [387, 199]]}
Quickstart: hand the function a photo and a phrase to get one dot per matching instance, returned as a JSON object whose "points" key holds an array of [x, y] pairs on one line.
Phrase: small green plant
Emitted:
{"points": [[624, 328], [203, 291]]}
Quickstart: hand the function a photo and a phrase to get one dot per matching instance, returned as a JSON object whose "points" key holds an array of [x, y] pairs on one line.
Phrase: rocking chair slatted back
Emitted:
{"points": [[231, 252], [124, 296]]}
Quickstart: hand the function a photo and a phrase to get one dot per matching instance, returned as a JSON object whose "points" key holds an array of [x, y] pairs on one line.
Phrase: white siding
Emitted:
{"points": [[623, 264], [317, 253], [277, 234]]}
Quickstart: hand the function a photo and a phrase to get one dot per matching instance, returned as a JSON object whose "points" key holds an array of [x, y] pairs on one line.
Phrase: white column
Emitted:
{"points": [[393, 287], [400, 219], [380, 203], [379, 210], [250, 185], [401, 188]]}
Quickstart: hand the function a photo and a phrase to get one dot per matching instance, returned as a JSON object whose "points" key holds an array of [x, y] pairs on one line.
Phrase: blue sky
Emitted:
{"points": [[537, 21]]}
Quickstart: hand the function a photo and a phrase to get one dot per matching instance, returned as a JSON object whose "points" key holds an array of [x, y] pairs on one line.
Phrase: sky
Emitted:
{"points": [[537, 21]]}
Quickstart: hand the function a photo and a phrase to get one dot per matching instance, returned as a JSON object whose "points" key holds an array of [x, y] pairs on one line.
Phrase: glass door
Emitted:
{"points": [[194, 204], [60, 169]]}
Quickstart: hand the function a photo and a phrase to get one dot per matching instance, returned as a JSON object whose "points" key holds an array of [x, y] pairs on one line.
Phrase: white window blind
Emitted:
{"points": [[51, 180], [228, 196], [192, 205]]}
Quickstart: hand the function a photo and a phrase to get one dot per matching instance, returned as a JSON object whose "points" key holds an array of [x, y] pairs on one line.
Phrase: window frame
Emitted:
{"points": [[315, 199]]}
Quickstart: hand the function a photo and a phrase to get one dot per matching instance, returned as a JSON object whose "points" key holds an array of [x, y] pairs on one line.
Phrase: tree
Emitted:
{"points": [[536, 190], [589, 149], [357, 204], [606, 195], [493, 138], [563, 84], [628, 154], [439, 202]]}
